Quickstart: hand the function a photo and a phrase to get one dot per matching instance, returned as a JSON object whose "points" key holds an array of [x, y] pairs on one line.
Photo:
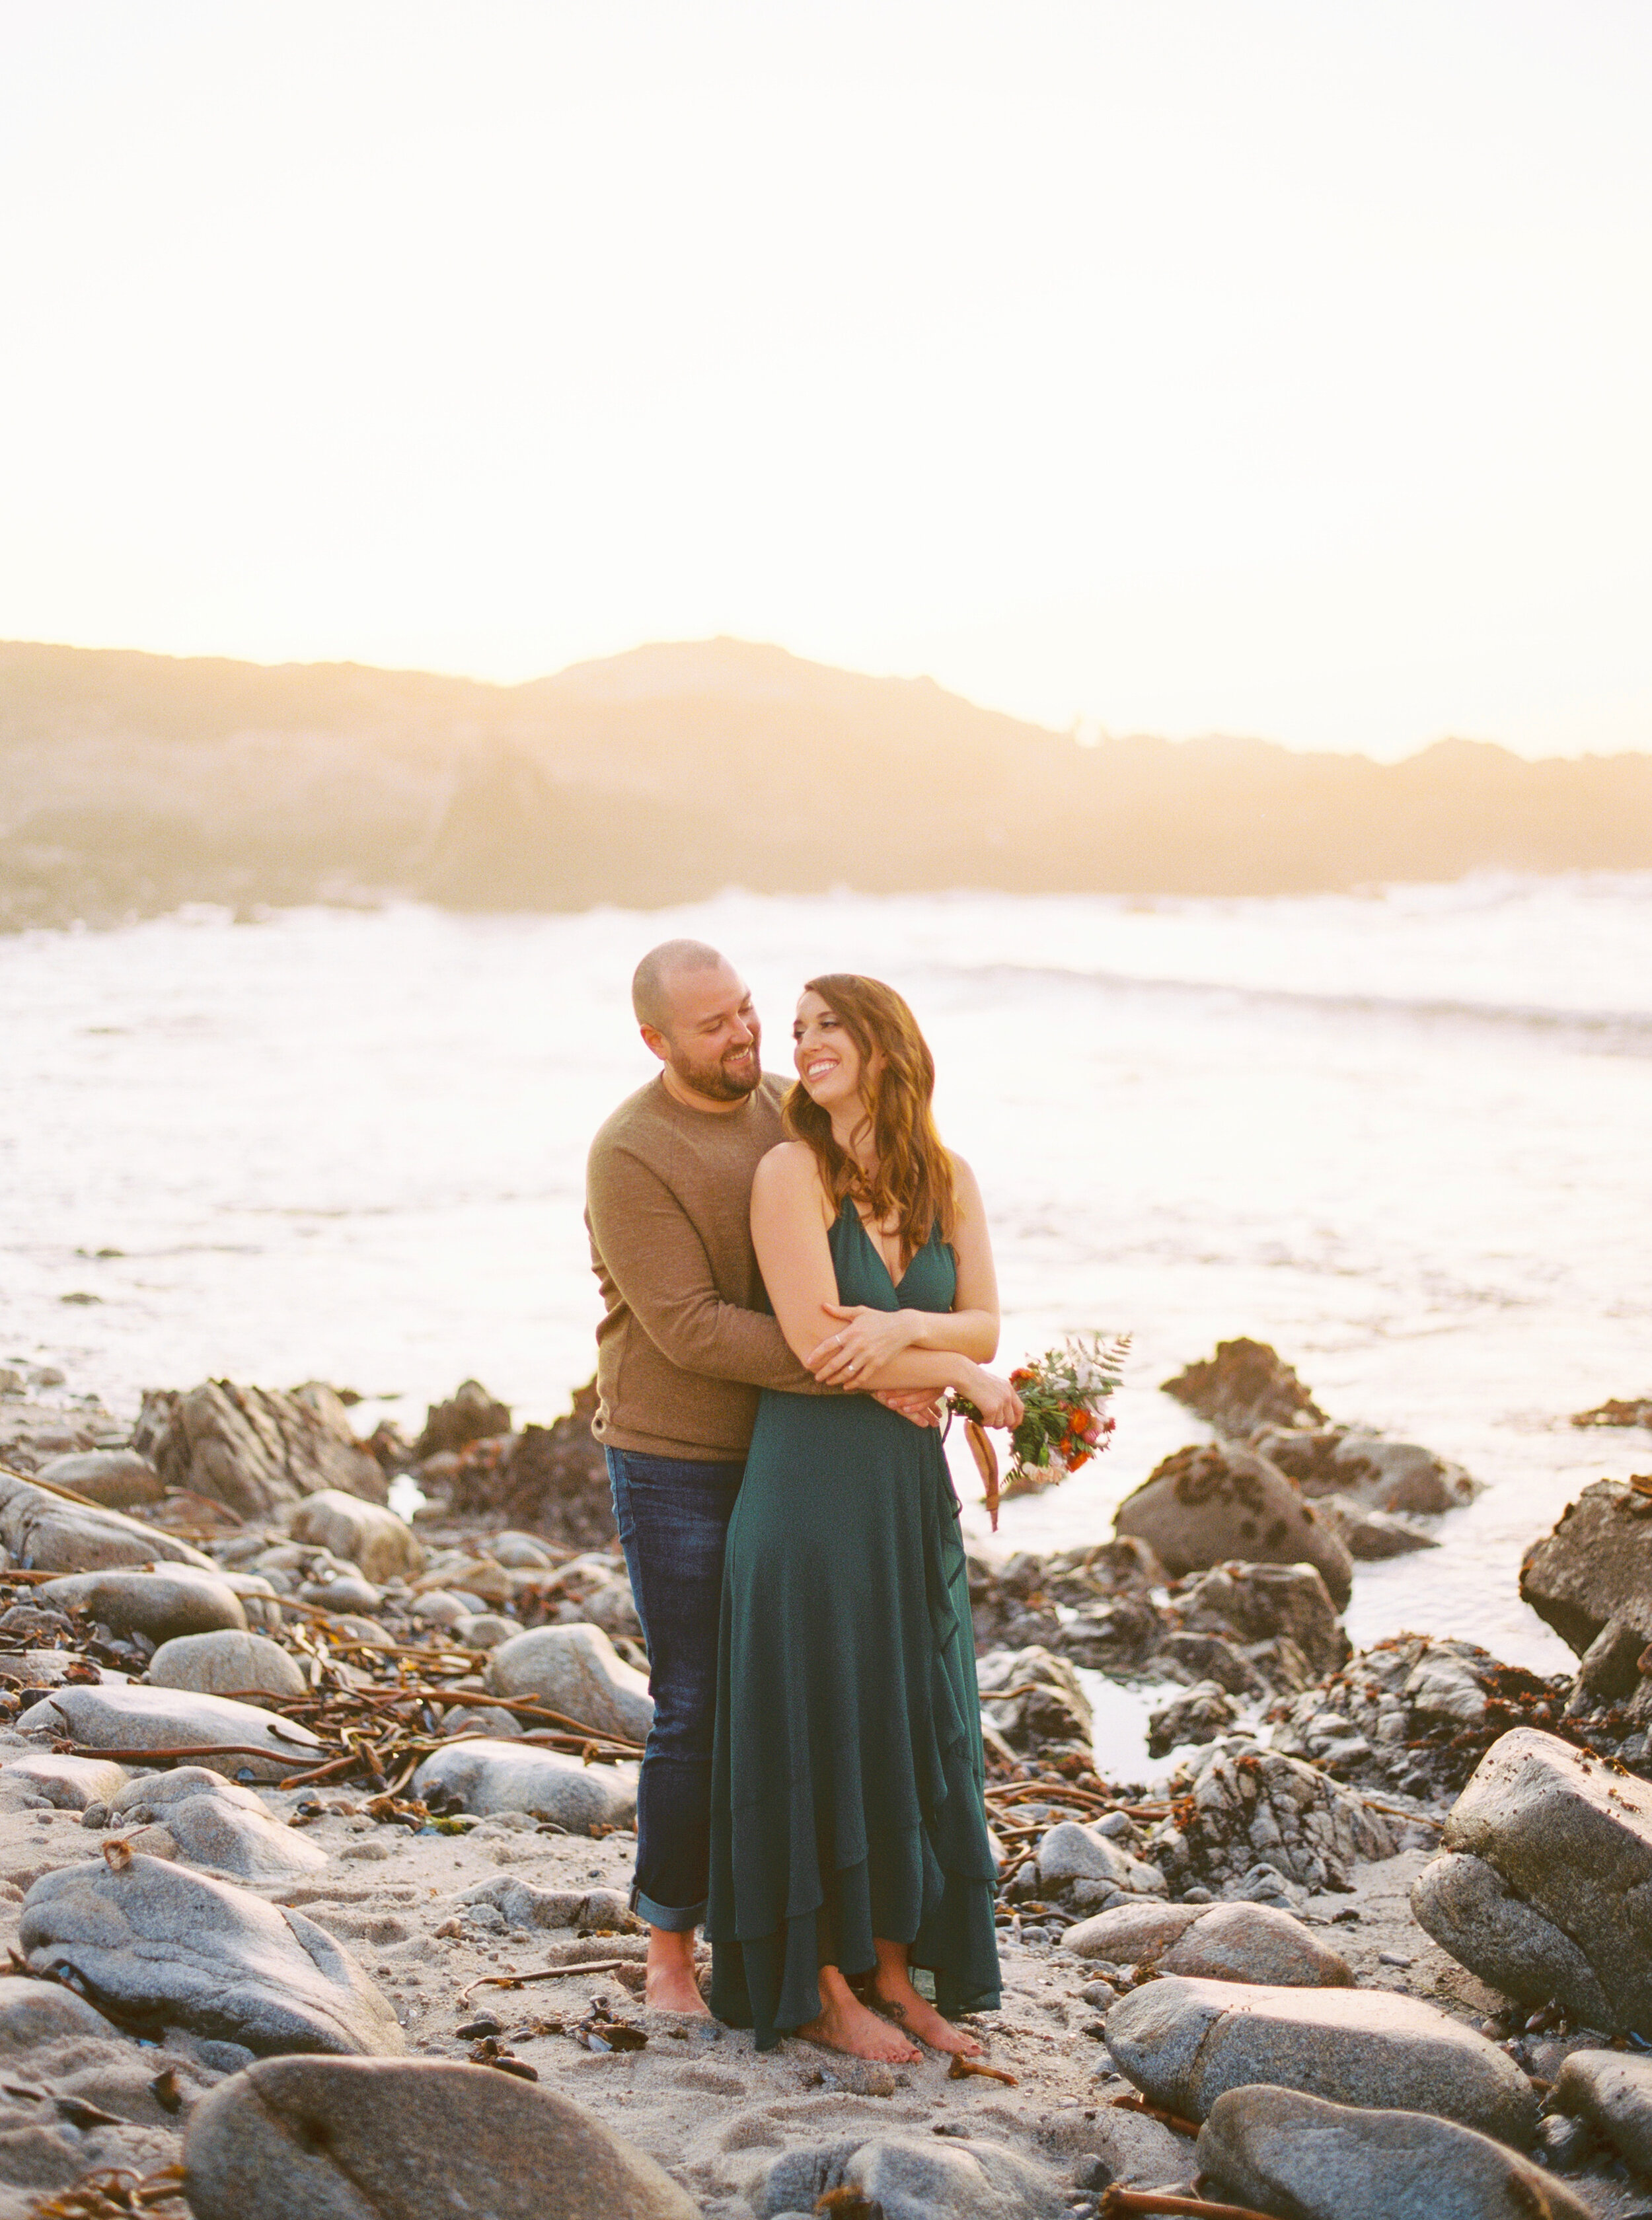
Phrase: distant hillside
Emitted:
{"points": [[131, 783]]}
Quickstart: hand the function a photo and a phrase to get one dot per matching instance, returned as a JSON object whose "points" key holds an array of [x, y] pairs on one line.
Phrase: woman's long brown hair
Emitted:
{"points": [[913, 1182]]}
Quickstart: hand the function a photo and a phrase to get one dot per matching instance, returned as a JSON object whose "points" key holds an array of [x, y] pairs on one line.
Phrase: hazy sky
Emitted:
{"points": [[1181, 367]]}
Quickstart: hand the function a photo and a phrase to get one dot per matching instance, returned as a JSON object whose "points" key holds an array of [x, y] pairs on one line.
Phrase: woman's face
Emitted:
{"points": [[828, 1063]]}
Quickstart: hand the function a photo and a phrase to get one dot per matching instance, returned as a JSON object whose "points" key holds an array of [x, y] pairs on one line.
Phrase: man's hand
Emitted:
{"points": [[922, 1406]]}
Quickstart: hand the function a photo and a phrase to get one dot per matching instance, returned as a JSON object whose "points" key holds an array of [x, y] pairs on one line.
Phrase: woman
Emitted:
{"points": [[849, 1830]]}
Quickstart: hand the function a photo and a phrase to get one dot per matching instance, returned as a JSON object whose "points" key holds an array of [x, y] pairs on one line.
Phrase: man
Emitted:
{"points": [[683, 1350]]}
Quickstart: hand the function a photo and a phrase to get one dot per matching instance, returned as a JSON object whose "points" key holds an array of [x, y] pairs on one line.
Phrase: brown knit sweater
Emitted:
{"points": [[685, 1344]]}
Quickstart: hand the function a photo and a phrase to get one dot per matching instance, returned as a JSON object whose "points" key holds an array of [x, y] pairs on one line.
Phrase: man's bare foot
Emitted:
{"points": [[670, 1984], [897, 1996], [845, 2024]]}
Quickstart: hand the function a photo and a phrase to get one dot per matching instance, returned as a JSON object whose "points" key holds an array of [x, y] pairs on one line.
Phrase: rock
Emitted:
{"points": [[520, 1904], [1255, 1942], [1203, 1713], [553, 1480], [44, 1533], [1209, 1657], [420, 2139], [255, 1449], [1625, 1410], [226, 1664], [1261, 1603], [521, 1552], [116, 1479], [1293, 2153], [156, 1942], [1130, 2149], [1206, 1504], [159, 1604], [133, 1717], [1612, 2092], [1131, 1934], [1381, 1476], [1042, 1702], [1248, 1803], [370, 1536], [909, 2179], [71, 1783], [1596, 1565], [1070, 1852], [471, 1414], [1245, 1385], [613, 1609], [1369, 1537], [213, 1823], [501, 1776], [574, 1670], [439, 1608], [1182, 2042], [41, 2011], [1610, 1667], [343, 1592], [485, 1629], [1546, 1871]]}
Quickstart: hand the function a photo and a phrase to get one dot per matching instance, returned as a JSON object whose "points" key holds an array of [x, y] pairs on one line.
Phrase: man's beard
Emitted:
{"points": [[716, 1081]]}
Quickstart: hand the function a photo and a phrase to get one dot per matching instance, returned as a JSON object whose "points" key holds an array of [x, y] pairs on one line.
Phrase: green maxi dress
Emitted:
{"points": [[847, 1776]]}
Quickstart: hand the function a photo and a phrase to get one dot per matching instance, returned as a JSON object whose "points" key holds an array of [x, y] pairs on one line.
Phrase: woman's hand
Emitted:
{"points": [[867, 1339], [997, 1400]]}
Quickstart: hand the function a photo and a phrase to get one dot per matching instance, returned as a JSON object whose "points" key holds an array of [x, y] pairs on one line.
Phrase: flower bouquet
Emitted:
{"points": [[1062, 1425]]}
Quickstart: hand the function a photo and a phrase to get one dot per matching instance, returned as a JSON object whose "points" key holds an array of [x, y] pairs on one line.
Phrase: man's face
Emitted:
{"points": [[713, 1042]]}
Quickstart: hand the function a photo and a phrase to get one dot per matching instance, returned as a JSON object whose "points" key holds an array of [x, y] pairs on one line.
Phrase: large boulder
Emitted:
{"points": [[154, 1943], [1266, 1604], [1279, 2150], [180, 1600], [204, 1820], [366, 1535], [255, 1449], [115, 1479], [226, 1664], [231, 1738], [1258, 1944], [1544, 1886], [485, 1776], [1034, 1698], [1206, 1504], [1612, 2091], [415, 2139], [908, 2178], [1595, 1566], [46, 1532], [574, 1670], [1131, 1934], [1245, 1385], [1070, 1852], [1235, 1805], [1379, 1476], [1183, 2043]]}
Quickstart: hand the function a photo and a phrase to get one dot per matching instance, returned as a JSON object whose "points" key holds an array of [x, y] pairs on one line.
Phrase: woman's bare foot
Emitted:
{"points": [[845, 2024], [897, 1996], [668, 1984]]}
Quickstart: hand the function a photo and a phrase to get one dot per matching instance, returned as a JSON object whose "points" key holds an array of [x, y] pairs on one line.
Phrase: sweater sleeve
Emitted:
{"points": [[656, 1258]]}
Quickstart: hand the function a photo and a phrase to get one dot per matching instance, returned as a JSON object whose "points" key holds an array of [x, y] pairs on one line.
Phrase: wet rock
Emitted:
{"points": [[1266, 1603], [420, 2139], [1369, 1537], [574, 1670], [1283, 2151], [114, 1718], [1245, 1385], [1258, 1943], [1199, 1716], [213, 1823], [49, 1533], [158, 1944], [471, 1414], [371, 1538], [1612, 2092], [71, 1784], [1381, 1476], [255, 1449], [1209, 1657], [910, 2179], [1207, 1505], [1034, 1699], [1112, 1622], [1131, 1934], [551, 1479], [1596, 1565], [159, 1604], [1235, 1803], [226, 1664], [1182, 2042], [1070, 1852], [1631, 1410], [1547, 1864], [116, 1479], [486, 1776]]}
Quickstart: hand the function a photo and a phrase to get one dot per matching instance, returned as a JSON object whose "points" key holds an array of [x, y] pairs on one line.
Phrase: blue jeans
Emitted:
{"points": [[673, 1516]]}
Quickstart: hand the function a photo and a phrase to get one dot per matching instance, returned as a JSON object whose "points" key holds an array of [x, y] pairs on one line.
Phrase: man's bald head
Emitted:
{"points": [[695, 1014], [654, 977]]}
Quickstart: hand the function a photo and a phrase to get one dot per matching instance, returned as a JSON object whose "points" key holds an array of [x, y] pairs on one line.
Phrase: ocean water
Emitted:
{"points": [[1402, 1136]]}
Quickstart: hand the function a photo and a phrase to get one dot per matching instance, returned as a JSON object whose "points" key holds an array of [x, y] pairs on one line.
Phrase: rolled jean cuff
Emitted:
{"points": [[674, 1921]]}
